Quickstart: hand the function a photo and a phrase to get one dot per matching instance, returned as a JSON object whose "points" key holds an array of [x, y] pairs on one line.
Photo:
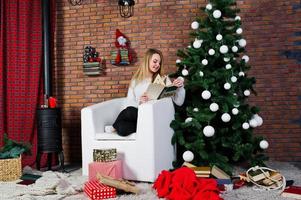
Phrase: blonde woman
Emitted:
{"points": [[152, 65]]}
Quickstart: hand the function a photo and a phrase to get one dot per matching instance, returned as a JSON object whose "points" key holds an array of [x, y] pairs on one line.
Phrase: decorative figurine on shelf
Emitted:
{"points": [[91, 55], [121, 56], [92, 62]]}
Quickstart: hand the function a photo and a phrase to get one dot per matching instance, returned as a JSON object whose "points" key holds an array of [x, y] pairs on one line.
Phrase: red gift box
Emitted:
{"points": [[112, 169], [96, 190]]}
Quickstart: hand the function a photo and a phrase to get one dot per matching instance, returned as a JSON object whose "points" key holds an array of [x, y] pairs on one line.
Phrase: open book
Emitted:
{"points": [[160, 88]]}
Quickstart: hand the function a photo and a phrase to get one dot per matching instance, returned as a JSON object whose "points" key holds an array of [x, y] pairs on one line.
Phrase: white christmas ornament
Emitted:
{"points": [[223, 49], [227, 86], [217, 14], [181, 78], [208, 131], [236, 105], [242, 42], [209, 6], [178, 61], [258, 119], [205, 62], [195, 110], [234, 94], [211, 52], [189, 46], [247, 92], [239, 31], [233, 79], [195, 25], [188, 156], [238, 18], [245, 125], [197, 44], [241, 74], [214, 107], [184, 72], [226, 117], [201, 74], [245, 58], [264, 144], [253, 123], [206, 94], [219, 37], [235, 111], [228, 66], [188, 119], [234, 49], [226, 59]]}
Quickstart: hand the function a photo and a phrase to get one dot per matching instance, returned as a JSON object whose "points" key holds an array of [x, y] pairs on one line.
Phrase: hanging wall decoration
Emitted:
{"points": [[92, 62], [121, 56]]}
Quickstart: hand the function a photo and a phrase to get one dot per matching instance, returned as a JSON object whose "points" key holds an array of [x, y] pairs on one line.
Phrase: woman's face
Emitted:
{"points": [[154, 63]]}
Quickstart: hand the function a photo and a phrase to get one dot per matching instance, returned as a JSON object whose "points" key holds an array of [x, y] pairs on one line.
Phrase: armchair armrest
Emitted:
{"points": [[95, 117]]}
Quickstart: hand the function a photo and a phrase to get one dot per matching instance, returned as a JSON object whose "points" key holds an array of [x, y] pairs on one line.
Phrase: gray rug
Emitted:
{"points": [[56, 186]]}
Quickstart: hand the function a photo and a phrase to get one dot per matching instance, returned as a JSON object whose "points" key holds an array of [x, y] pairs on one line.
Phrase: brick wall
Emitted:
{"points": [[273, 46]]}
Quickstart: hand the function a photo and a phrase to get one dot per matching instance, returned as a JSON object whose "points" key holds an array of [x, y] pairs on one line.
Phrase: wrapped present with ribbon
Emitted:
{"points": [[96, 190], [104, 155], [112, 169]]}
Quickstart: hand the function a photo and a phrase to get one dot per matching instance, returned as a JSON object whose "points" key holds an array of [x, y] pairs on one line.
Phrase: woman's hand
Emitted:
{"points": [[178, 82], [143, 98]]}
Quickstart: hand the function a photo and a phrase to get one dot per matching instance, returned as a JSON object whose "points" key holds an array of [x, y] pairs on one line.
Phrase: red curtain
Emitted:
{"points": [[20, 70]]}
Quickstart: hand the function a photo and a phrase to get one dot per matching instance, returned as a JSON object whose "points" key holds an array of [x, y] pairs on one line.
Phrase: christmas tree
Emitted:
{"points": [[215, 125]]}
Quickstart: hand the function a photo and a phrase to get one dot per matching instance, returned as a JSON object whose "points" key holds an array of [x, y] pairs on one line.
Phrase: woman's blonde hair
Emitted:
{"points": [[143, 70]]}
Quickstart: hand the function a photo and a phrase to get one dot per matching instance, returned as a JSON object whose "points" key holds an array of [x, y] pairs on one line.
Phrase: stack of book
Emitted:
{"points": [[203, 172], [124, 57], [92, 68]]}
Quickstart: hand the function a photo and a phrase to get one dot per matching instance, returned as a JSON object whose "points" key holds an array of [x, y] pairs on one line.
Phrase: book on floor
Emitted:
{"points": [[202, 170], [292, 192], [258, 175], [218, 173], [160, 88]]}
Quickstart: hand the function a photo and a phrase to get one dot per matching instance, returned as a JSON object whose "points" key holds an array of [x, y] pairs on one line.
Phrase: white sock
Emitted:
{"points": [[109, 129]]}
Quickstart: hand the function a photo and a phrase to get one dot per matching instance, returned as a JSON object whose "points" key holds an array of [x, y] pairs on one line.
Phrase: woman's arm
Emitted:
{"points": [[131, 99]]}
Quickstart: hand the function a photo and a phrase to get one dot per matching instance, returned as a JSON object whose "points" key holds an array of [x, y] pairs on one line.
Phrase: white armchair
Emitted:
{"points": [[144, 153]]}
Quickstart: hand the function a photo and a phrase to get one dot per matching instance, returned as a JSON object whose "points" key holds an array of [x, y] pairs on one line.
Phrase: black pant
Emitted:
{"points": [[126, 122]]}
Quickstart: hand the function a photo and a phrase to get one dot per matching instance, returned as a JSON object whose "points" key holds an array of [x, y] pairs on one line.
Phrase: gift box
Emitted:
{"points": [[96, 190], [104, 155], [112, 169]]}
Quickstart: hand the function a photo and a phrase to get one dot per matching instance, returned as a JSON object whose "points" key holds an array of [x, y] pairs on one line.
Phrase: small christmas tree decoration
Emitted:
{"points": [[195, 25], [233, 79], [223, 49], [219, 37], [214, 107], [264, 144], [195, 110], [188, 156], [241, 74], [242, 42], [211, 52], [226, 117], [234, 49], [226, 59], [245, 58], [237, 18], [253, 123], [258, 119], [205, 62], [208, 131], [206, 94], [245, 125], [209, 6], [178, 61], [184, 72], [239, 31], [217, 14], [228, 66], [247, 93], [197, 43], [227, 86], [201, 74], [188, 119], [235, 111]]}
